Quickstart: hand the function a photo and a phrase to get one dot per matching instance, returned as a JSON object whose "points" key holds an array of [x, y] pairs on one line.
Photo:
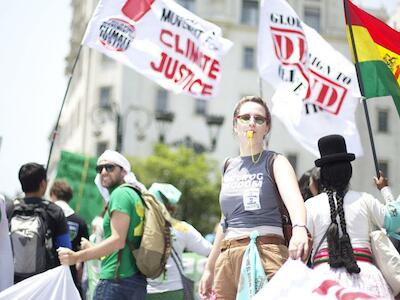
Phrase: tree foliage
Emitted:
{"points": [[195, 175]]}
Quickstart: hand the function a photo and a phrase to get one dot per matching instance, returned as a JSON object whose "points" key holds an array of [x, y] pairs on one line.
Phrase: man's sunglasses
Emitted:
{"points": [[245, 119], [109, 168]]}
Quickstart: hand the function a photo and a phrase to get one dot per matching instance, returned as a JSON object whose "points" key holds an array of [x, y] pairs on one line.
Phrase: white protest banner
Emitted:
{"points": [[316, 90], [161, 40], [54, 284], [294, 280]]}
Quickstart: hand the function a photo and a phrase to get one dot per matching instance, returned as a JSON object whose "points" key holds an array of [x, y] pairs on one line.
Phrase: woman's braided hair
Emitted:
{"points": [[335, 178]]}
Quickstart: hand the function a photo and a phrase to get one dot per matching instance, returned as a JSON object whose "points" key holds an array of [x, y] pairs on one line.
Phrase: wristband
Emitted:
{"points": [[299, 225]]}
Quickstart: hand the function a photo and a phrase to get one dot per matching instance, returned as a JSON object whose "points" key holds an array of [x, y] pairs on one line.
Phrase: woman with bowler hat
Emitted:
{"points": [[340, 221]]}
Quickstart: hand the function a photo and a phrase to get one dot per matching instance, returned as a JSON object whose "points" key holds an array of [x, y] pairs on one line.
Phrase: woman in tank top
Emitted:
{"points": [[252, 184]]}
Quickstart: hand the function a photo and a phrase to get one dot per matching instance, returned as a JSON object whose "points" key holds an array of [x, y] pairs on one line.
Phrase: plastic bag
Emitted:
{"points": [[252, 274], [54, 284]]}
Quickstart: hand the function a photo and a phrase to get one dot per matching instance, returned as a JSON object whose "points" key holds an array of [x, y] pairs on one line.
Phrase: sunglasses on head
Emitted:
{"points": [[245, 119], [109, 168]]}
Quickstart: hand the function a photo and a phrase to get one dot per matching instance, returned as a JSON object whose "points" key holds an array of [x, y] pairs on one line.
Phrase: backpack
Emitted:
{"points": [[155, 246], [30, 238]]}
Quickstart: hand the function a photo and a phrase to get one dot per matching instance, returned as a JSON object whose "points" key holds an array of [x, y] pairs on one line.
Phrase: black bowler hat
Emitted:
{"points": [[333, 148]]}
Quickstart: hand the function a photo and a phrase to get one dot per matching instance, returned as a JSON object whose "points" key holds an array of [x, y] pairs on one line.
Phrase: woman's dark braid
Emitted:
{"points": [[332, 236], [340, 210], [346, 249], [332, 205]]}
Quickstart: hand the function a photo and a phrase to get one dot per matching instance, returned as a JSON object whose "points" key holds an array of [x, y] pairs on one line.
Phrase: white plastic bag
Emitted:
{"points": [[54, 284]]}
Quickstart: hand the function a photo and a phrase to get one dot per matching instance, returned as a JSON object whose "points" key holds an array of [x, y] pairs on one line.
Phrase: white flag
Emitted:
{"points": [[161, 40], [316, 90]]}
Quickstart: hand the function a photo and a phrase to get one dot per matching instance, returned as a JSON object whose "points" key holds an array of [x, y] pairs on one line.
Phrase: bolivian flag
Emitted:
{"points": [[378, 52]]}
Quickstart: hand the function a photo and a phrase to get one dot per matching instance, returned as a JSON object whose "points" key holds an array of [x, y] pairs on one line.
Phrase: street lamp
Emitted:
{"points": [[142, 121], [214, 123], [164, 120]]}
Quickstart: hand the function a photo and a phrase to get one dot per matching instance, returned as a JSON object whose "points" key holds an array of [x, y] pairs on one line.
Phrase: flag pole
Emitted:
{"points": [[260, 87], [54, 132], [361, 85]]}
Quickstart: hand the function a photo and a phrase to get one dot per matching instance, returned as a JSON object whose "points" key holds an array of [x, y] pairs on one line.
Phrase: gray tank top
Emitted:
{"points": [[248, 196]]}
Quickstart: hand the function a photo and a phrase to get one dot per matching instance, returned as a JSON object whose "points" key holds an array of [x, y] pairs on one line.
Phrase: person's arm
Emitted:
{"points": [[195, 242], [289, 190], [85, 231], [9, 209], [63, 240], [119, 230], [82, 235], [205, 286], [61, 233]]}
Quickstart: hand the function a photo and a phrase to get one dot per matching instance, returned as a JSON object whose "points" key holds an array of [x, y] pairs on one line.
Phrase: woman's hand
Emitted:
{"points": [[85, 244], [205, 285], [298, 245], [382, 181], [67, 256]]}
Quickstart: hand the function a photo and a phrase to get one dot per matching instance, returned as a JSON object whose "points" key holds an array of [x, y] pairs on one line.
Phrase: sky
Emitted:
{"points": [[34, 45], [389, 5], [34, 37]]}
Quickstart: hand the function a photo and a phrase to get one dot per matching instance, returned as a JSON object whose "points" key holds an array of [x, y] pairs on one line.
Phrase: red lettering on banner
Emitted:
{"points": [[214, 69], [161, 66], [198, 81], [209, 65], [170, 72], [356, 296], [289, 46], [207, 89], [163, 35], [341, 294], [182, 75], [284, 47], [326, 93], [204, 64], [324, 287], [177, 49]]}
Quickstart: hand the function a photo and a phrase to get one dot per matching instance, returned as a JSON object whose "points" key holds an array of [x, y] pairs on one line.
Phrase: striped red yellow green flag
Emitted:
{"points": [[378, 52]]}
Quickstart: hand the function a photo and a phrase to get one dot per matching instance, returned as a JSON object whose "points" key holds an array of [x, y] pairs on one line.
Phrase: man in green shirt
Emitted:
{"points": [[123, 221]]}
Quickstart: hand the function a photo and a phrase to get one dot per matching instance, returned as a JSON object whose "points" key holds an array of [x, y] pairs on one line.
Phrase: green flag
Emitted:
{"points": [[80, 171]]}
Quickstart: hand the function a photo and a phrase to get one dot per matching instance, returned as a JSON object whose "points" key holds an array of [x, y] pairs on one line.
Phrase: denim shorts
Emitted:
{"points": [[132, 288]]}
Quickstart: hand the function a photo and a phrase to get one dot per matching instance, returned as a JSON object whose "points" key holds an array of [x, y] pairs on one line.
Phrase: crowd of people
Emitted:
{"points": [[330, 223]]}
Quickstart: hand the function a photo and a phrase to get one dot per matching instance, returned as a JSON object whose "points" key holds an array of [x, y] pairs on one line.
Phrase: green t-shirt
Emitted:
{"points": [[126, 200]]}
